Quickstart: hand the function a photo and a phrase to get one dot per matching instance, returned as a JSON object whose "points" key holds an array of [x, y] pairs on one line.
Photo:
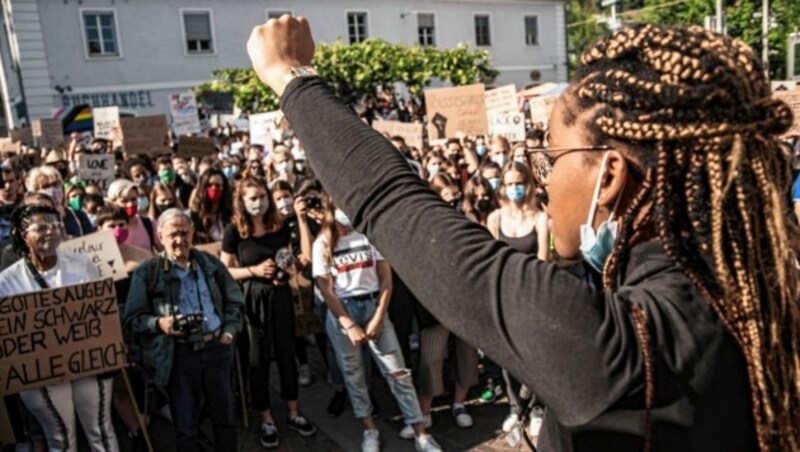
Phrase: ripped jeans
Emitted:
{"points": [[387, 354]]}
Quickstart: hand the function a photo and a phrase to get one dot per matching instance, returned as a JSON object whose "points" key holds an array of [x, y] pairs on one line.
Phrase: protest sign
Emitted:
{"points": [[24, 135], [458, 109], [58, 335], [97, 169], [510, 125], [6, 145], [792, 98], [102, 248], [263, 129], [48, 132], [502, 100], [106, 120], [214, 249], [145, 134], [540, 108], [411, 132], [196, 147], [183, 110]]}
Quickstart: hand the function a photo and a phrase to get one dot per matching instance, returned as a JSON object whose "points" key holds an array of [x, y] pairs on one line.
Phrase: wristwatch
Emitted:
{"points": [[300, 71]]}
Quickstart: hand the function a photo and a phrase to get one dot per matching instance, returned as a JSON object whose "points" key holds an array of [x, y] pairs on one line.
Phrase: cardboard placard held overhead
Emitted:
{"points": [[451, 111], [97, 169], [102, 248], [24, 135], [510, 125], [410, 131], [183, 110], [145, 135], [48, 132], [540, 108], [792, 98], [6, 145], [106, 120], [263, 130], [59, 335], [196, 147], [502, 100]]}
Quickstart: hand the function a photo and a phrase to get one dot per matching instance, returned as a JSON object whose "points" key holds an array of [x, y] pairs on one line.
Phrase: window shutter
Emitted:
{"points": [[198, 27]]}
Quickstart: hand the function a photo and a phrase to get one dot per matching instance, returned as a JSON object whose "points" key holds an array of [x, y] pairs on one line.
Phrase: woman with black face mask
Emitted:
{"points": [[480, 200], [162, 198]]}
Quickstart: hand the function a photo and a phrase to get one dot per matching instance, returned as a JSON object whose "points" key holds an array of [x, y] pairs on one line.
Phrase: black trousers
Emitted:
{"points": [[203, 378]]}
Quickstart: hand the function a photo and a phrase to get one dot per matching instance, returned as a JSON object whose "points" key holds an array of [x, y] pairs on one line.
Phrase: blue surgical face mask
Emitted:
{"points": [[142, 202], [230, 171], [481, 150], [515, 193], [342, 218], [495, 183], [596, 247]]}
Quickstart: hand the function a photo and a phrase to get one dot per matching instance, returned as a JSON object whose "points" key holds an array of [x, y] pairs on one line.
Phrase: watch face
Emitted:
{"points": [[304, 71]]}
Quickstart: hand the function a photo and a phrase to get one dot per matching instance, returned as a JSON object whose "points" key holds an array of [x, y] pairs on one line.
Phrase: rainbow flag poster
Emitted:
{"points": [[75, 119]]}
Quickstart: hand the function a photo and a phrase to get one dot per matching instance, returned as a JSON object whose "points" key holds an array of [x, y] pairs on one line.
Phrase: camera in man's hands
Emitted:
{"points": [[313, 202], [189, 323], [284, 260]]}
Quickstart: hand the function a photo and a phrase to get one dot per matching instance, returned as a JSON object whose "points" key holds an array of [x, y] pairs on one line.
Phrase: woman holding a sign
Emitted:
{"points": [[36, 234]]}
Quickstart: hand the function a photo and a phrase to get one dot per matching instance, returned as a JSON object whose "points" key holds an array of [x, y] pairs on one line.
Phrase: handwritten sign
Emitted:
{"points": [[24, 135], [502, 100], [411, 132], [263, 129], [97, 169], [102, 248], [59, 335], [792, 98], [183, 110], [510, 125], [145, 134], [540, 109], [106, 120], [196, 147], [48, 132], [6, 145], [454, 111]]}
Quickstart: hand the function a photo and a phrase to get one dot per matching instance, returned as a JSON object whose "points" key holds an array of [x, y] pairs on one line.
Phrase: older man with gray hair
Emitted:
{"points": [[184, 308]]}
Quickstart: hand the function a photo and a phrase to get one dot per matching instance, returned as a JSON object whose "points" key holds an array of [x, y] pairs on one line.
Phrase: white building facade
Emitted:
{"points": [[134, 53]]}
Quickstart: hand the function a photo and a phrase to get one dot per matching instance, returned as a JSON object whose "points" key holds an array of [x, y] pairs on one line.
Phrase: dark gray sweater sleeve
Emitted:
{"points": [[549, 328]]}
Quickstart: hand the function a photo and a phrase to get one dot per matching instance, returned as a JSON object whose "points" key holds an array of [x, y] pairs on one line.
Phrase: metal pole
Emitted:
{"points": [[720, 29], [765, 37]]}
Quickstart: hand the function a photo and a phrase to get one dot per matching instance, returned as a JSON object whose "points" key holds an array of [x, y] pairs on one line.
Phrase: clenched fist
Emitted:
{"points": [[278, 45]]}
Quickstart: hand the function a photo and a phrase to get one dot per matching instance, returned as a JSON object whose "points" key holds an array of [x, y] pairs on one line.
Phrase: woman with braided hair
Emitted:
{"points": [[665, 176]]}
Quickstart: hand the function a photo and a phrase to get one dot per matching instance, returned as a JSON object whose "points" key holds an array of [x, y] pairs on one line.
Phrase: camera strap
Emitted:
{"points": [[36, 275]]}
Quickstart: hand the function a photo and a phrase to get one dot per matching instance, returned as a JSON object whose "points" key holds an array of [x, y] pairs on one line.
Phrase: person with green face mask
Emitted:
{"points": [[74, 190], [168, 177]]}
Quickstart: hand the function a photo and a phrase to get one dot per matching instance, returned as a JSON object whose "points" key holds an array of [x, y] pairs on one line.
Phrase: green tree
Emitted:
{"points": [[583, 28], [358, 71]]}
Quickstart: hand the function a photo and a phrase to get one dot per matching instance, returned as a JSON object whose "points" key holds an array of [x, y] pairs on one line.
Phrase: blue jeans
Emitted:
{"points": [[387, 354], [337, 380]]}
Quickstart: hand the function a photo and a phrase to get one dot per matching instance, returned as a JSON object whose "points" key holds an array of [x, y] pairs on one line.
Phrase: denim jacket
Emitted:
{"points": [[154, 290]]}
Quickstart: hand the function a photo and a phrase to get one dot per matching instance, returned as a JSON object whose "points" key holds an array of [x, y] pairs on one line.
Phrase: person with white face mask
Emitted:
{"points": [[282, 167], [47, 181], [252, 247]]}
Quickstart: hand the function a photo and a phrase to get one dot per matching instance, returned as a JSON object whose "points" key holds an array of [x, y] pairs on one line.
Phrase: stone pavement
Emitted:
{"points": [[344, 433]]}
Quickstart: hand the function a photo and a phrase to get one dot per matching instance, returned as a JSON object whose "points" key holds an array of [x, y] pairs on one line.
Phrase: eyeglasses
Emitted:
{"points": [[46, 228]]}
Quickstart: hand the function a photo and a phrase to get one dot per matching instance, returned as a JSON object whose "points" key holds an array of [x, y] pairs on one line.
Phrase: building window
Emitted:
{"points": [[101, 33], [482, 32], [531, 30], [425, 29], [275, 14], [197, 27], [356, 27]]}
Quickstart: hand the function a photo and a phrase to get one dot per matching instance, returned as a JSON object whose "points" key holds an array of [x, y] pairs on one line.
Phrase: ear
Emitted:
{"points": [[614, 179]]}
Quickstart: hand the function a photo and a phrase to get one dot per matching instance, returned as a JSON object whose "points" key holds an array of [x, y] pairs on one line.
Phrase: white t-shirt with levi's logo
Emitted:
{"points": [[354, 266]]}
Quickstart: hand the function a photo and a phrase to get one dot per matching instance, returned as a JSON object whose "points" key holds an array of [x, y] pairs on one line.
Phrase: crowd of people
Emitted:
{"points": [[274, 224]]}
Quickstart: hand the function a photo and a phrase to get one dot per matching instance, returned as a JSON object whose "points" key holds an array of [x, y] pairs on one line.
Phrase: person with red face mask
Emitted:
{"points": [[210, 206], [141, 232]]}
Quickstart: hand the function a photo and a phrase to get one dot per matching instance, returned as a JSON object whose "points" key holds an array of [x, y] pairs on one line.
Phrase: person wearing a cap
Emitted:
{"points": [[57, 158], [47, 180]]}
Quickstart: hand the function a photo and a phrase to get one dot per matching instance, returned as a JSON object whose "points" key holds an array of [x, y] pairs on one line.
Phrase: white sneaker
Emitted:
{"points": [[510, 422], [426, 443], [371, 442], [304, 375], [535, 423], [463, 419], [408, 431]]}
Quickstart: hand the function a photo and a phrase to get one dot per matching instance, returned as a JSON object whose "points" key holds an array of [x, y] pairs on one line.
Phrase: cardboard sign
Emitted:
{"points": [[196, 147], [263, 129], [502, 100], [410, 131], [102, 248], [214, 249], [24, 136], [509, 125], [48, 132], [6, 145], [58, 335], [792, 98], [451, 111], [106, 120], [97, 169], [183, 110], [145, 135], [540, 108]]}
